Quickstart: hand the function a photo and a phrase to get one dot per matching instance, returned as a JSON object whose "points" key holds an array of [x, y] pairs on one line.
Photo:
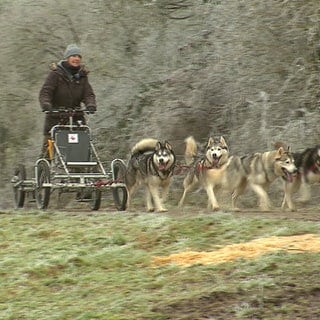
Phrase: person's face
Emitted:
{"points": [[74, 60]]}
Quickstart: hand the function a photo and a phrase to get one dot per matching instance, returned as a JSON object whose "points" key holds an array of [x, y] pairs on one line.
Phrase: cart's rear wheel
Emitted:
{"points": [[120, 193], [18, 191], [42, 193], [95, 201]]}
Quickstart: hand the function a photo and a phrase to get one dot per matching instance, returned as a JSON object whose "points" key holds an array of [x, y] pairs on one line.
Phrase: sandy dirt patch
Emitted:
{"points": [[249, 250]]}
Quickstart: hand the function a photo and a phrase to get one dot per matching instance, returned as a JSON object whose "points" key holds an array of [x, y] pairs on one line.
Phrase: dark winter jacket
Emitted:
{"points": [[67, 88]]}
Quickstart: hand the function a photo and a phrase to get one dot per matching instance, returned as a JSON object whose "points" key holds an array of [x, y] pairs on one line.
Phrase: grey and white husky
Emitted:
{"points": [[151, 164], [308, 164], [234, 173]]}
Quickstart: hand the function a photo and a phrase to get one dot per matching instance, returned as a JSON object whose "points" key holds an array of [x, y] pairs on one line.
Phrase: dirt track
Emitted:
{"points": [[307, 215]]}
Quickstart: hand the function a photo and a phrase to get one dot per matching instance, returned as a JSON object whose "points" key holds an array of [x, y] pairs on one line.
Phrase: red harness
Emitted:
{"points": [[314, 168], [200, 166]]}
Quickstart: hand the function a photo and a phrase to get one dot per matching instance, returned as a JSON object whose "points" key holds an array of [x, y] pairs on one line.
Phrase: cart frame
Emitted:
{"points": [[71, 164]]}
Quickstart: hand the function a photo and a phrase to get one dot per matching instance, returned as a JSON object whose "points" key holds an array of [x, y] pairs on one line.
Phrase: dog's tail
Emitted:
{"points": [[144, 145], [191, 150]]}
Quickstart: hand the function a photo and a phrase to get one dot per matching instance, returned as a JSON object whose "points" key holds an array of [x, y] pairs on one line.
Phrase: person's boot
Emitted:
{"points": [[44, 150]]}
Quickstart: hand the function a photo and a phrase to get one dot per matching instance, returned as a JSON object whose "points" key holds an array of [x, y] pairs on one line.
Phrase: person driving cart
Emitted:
{"points": [[66, 87]]}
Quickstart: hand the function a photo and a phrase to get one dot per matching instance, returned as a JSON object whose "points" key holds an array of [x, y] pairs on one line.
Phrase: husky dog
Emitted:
{"points": [[151, 164], [204, 164], [235, 173], [264, 168], [308, 164]]}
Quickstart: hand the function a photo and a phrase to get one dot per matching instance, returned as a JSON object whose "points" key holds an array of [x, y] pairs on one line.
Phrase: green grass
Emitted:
{"points": [[60, 265]]}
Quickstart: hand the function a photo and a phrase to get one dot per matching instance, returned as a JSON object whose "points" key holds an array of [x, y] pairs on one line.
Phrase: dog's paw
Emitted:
{"points": [[150, 209], [162, 210], [303, 200], [180, 205], [215, 208], [266, 208]]}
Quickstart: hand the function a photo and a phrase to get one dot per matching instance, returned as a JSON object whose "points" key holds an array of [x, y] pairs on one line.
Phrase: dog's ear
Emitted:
{"points": [[168, 145], [279, 144], [279, 153], [210, 142], [158, 146], [223, 142]]}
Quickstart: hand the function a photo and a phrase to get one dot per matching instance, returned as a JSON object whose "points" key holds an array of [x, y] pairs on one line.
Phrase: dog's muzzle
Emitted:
{"points": [[215, 160], [288, 176], [162, 164]]}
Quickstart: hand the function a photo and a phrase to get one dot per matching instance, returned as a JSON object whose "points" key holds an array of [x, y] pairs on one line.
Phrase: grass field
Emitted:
{"points": [[103, 265]]}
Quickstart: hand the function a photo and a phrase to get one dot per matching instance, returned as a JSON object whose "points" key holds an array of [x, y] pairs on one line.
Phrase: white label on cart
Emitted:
{"points": [[73, 138]]}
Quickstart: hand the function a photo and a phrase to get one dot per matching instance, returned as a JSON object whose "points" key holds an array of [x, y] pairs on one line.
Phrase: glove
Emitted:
{"points": [[47, 107], [92, 109]]}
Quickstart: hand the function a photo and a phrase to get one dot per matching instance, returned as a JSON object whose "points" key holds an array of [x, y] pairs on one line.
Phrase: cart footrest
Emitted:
{"points": [[82, 163]]}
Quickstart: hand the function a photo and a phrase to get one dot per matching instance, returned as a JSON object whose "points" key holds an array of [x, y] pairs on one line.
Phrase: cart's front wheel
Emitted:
{"points": [[95, 201], [42, 193], [120, 196], [18, 191], [120, 193]]}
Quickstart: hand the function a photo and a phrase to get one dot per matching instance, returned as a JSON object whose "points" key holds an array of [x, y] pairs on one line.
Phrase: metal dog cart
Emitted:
{"points": [[71, 165]]}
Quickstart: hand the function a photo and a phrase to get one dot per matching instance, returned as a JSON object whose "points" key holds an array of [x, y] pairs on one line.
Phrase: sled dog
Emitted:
{"points": [[308, 164], [208, 168], [258, 171], [151, 164]]}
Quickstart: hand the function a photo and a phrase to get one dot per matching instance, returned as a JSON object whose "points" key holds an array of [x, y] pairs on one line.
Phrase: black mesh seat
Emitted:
{"points": [[74, 147]]}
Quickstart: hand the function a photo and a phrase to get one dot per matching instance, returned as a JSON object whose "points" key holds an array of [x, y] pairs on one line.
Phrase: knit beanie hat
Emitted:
{"points": [[72, 50]]}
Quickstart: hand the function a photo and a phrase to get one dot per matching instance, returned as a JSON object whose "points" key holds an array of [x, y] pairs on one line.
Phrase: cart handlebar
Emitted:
{"points": [[68, 111], [68, 115]]}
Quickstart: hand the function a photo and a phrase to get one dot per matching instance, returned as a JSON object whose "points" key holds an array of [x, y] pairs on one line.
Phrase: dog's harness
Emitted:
{"points": [[201, 165], [313, 168]]}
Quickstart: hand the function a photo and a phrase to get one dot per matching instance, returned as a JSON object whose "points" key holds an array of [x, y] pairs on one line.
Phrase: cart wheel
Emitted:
{"points": [[95, 199], [18, 191], [119, 169], [120, 196], [42, 194]]}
